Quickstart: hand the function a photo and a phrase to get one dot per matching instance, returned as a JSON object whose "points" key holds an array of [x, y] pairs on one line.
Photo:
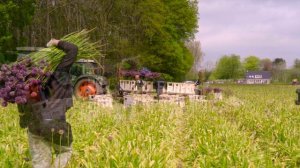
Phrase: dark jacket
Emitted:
{"points": [[59, 85], [56, 95]]}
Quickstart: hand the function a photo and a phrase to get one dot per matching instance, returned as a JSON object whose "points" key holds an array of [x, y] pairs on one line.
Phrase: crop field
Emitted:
{"points": [[254, 126]]}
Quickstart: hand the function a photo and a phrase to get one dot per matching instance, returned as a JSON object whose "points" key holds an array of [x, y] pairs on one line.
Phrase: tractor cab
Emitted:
{"points": [[85, 67]]}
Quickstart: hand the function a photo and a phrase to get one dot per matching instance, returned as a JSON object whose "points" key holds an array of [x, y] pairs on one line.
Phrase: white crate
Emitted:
{"points": [[128, 85], [129, 101], [218, 96], [180, 88], [173, 88], [133, 85], [133, 99], [196, 98], [103, 100], [125, 85], [148, 86], [187, 88], [172, 99], [176, 87]]}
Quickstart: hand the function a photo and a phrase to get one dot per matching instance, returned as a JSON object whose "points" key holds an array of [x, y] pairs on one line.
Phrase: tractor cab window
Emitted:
{"points": [[84, 68], [88, 69]]}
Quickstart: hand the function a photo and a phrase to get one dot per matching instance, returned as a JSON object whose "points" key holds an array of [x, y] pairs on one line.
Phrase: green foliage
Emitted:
{"points": [[256, 126], [8, 57], [131, 64], [279, 64], [297, 63], [292, 74], [266, 64], [153, 30], [172, 58], [2, 58], [228, 67], [126, 65], [14, 16], [166, 77], [279, 72], [166, 25], [113, 83], [251, 63]]}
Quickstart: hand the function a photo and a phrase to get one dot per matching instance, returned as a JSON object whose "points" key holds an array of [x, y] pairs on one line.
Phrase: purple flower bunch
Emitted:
{"points": [[17, 79], [145, 73], [129, 73]]}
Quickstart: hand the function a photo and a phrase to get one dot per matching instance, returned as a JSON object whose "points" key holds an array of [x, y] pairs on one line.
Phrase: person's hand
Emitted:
{"points": [[53, 42], [33, 95]]}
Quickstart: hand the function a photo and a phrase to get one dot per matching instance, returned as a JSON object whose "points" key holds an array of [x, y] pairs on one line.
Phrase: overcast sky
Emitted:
{"points": [[264, 28]]}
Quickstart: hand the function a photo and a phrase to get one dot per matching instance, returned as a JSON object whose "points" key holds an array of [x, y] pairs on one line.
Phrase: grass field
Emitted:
{"points": [[256, 126]]}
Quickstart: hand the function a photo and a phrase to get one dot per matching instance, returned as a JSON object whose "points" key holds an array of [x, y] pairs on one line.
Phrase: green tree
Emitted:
{"points": [[15, 15], [228, 67], [266, 64], [251, 63], [195, 48], [166, 25], [297, 63], [279, 64], [279, 70], [152, 30], [291, 74]]}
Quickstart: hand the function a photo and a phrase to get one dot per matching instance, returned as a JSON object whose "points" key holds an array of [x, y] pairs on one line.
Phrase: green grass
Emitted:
{"points": [[256, 126]]}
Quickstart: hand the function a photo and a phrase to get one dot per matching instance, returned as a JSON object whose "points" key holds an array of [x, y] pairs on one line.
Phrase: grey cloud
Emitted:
{"points": [[267, 28]]}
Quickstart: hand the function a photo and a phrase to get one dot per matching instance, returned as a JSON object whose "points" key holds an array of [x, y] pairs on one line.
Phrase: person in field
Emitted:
{"points": [[139, 84], [49, 134]]}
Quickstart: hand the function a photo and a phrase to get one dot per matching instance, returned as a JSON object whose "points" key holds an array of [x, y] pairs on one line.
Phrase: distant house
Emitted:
{"points": [[258, 77]]}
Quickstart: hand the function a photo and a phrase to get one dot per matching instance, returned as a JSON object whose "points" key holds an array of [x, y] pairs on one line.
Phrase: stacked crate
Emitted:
{"points": [[180, 88], [197, 98], [103, 100], [134, 99], [130, 86], [148, 87], [218, 96], [172, 99], [187, 88]]}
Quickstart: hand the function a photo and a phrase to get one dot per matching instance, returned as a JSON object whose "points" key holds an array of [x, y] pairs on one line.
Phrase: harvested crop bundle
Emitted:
{"points": [[53, 56], [25, 78]]}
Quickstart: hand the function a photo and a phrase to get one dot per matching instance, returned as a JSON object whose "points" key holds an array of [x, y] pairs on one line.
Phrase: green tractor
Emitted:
{"points": [[86, 76], [87, 80]]}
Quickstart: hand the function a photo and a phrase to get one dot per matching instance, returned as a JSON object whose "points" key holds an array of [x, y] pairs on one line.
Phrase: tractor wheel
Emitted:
{"points": [[86, 87]]}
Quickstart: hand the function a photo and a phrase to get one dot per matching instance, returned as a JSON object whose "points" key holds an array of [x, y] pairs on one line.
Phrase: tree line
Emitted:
{"points": [[232, 67], [153, 33]]}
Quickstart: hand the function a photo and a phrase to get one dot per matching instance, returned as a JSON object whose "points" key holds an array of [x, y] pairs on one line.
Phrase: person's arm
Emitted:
{"points": [[71, 51]]}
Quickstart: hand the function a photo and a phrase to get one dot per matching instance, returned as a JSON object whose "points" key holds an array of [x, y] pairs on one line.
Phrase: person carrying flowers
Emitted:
{"points": [[44, 114]]}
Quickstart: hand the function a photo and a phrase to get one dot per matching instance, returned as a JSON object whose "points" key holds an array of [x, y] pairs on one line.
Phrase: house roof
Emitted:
{"points": [[258, 75]]}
